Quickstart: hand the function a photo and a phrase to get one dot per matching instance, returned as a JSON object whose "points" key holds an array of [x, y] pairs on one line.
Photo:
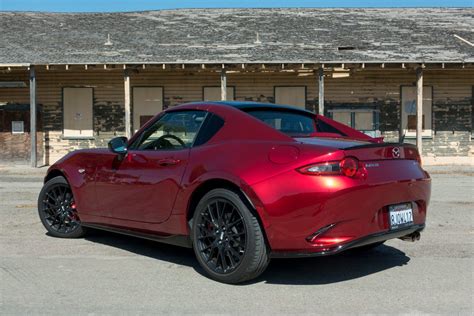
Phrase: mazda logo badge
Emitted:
{"points": [[396, 152]]}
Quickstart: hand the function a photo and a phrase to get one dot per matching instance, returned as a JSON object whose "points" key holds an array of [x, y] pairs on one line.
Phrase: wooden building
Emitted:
{"points": [[70, 81]]}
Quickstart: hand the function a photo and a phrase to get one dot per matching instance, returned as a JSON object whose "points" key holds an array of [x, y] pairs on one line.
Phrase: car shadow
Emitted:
{"points": [[302, 271], [144, 247], [345, 266]]}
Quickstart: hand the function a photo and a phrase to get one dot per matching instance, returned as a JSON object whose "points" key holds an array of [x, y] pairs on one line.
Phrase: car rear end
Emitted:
{"points": [[358, 193]]}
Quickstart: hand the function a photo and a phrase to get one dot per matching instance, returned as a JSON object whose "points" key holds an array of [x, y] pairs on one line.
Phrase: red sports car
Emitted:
{"points": [[240, 183]]}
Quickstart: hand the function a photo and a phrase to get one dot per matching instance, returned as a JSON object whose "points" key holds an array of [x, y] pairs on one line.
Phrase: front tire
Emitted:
{"points": [[227, 238], [57, 209]]}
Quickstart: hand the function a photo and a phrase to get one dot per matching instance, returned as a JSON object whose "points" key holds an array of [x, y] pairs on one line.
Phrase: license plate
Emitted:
{"points": [[400, 215]]}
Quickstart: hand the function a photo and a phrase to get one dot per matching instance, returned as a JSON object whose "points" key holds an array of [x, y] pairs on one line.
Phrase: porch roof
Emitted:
{"points": [[238, 36]]}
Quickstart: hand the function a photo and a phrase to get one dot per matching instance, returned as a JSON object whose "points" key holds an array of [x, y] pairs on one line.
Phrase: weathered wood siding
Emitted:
{"points": [[452, 99], [14, 106]]}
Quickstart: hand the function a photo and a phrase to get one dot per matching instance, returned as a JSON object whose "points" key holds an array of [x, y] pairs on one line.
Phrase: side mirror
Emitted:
{"points": [[118, 145]]}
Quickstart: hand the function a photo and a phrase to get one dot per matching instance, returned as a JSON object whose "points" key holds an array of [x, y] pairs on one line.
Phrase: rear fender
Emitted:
{"points": [[183, 202]]}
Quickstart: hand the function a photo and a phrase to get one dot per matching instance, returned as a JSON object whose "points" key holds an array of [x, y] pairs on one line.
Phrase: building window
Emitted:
{"points": [[214, 93], [409, 111], [18, 127], [365, 120], [295, 96], [147, 102], [77, 112]]}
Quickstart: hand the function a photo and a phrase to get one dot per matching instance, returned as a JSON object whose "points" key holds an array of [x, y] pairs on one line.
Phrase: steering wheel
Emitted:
{"points": [[162, 142]]}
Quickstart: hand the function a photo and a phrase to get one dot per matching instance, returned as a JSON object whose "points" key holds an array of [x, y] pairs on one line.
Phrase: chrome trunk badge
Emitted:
{"points": [[396, 152]]}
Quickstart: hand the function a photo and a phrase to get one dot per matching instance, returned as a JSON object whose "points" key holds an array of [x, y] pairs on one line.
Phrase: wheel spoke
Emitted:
{"points": [[220, 219], [214, 222], [207, 236], [222, 260], [231, 259], [237, 234], [234, 222]]}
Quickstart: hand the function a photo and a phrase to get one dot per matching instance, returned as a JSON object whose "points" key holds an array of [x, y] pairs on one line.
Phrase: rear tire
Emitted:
{"points": [[227, 238], [57, 211]]}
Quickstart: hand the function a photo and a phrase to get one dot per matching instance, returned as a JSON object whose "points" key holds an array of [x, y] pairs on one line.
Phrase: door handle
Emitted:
{"points": [[168, 162]]}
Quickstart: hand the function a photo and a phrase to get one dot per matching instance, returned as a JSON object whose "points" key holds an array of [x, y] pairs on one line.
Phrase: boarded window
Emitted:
{"points": [[343, 117], [409, 111], [147, 102], [295, 96], [214, 93], [362, 119], [77, 104]]}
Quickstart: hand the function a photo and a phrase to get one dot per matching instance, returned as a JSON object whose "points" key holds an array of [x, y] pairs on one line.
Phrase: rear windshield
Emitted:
{"points": [[290, 123]]}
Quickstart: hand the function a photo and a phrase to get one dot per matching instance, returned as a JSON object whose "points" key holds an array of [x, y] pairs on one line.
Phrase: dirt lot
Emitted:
{"points": [[111, 274]]}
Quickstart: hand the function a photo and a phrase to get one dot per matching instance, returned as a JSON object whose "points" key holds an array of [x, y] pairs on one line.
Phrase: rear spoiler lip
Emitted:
{"points": [[381, 145]]}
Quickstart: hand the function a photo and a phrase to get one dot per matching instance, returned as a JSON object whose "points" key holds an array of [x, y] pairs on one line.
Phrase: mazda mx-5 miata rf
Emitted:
{"points": [[240, 183]]}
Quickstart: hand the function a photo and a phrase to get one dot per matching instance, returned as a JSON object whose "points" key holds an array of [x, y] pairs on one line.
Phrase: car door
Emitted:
{"points": [[142, 186]]}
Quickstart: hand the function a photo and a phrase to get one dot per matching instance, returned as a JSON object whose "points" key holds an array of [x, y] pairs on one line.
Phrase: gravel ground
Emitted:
{"points": [[107, 273]]}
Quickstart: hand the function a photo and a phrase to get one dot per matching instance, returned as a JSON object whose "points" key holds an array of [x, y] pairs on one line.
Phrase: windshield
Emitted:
{"points": [[290, 123]]}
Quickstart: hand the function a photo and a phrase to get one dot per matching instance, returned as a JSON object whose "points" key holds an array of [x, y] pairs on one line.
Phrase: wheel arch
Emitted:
{"points": [[220, 183], [55, 173]]}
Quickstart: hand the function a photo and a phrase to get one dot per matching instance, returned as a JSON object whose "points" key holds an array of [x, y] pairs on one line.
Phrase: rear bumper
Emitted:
{"points": [[296, 206], [370, 239]]}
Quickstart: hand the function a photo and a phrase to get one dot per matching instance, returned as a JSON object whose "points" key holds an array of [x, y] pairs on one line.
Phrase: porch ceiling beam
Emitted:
{"points": [[223, 85], [33, 116], [321, 90], [419, 108], [126, 86]]}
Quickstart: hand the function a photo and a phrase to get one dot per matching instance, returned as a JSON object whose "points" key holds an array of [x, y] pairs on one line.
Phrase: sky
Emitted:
{"points": [[140, 5]]}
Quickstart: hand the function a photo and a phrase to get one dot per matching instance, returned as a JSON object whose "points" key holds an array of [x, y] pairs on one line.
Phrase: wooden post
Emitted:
{"points": [[419, 109], [223, 85], [33, 116], [321, 91], [126, 85]]}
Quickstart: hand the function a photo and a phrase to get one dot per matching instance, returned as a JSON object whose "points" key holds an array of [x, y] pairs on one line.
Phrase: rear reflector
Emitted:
{"points": [[329, 241], [319, 240]]}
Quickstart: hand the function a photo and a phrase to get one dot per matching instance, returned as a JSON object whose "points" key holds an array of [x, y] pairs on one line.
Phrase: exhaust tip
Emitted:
{"points": [[411, 237]]}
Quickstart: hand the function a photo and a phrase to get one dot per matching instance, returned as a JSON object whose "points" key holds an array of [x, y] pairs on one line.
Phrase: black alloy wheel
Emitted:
{"points": [[222, 236], [57, 209], [227, 238]]}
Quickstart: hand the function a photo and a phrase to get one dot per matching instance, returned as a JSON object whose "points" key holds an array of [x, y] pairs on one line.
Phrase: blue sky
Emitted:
{"points": [[137, 5]]}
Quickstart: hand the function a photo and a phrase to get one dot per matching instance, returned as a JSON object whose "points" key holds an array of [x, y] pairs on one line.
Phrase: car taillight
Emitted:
{"points": [[348, 167], [322, 169]]}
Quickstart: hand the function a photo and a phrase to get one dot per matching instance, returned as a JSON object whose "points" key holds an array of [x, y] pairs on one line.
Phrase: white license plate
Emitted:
{"points": [[400, 215]]}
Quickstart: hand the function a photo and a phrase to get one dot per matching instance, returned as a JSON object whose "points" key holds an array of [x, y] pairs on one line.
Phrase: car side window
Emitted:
{"points": [[174, 130], [211, 126]]}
